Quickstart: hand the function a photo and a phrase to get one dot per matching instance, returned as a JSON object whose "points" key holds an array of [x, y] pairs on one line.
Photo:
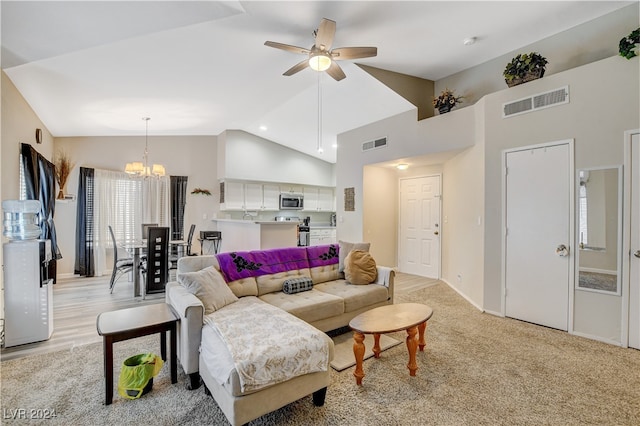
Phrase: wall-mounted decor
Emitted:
{"points": [[201, 191], [349, 199], [38, 135]]}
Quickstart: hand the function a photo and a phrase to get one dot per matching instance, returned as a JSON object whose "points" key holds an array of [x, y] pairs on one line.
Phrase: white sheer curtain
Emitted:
{"points": [[126, 203]]}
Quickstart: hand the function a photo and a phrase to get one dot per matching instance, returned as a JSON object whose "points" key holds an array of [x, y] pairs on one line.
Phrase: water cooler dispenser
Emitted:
{"points": [[28, 291]]}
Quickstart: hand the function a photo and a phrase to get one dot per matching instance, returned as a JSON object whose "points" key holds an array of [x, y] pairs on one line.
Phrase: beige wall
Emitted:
{"points": [[19, 124], [380, 217]]}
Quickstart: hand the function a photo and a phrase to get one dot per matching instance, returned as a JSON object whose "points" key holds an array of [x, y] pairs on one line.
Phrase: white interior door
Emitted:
{"points": [[634, 260], [537, 219], [420, 226]]}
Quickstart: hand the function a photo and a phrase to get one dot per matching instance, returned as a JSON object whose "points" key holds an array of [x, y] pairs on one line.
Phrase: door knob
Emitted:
{"points": [[637, 253], [562, 250], [436, 233]]}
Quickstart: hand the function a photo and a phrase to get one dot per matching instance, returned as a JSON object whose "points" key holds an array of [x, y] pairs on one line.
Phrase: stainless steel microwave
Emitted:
{"points": [[291, 201]]}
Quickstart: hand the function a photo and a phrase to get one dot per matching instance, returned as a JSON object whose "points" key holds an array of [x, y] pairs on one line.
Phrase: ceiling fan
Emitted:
{"points": [[321, 56]]}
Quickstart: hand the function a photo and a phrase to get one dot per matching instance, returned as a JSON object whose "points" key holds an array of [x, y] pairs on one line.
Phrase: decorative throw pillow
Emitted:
{"points": [[297, 285], [345, 248], [209, 286], [360, 268]]}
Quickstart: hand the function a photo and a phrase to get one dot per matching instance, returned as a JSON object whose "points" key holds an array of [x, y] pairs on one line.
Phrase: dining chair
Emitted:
{"points": [[190, 240], [156, 268], [145, 229], [121, 265]]}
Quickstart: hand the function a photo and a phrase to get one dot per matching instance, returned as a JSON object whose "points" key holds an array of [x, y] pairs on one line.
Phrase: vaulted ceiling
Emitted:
{"points": [[95, 68]]}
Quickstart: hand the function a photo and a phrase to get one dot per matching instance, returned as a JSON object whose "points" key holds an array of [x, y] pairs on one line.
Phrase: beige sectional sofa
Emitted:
{"points": [[330, 304]]}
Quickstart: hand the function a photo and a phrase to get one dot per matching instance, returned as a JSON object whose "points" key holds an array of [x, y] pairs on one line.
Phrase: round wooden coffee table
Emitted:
{"points": [[412, 317]]}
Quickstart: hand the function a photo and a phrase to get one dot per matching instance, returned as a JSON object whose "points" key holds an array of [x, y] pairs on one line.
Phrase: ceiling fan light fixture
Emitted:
{"points": [[320, 61]]}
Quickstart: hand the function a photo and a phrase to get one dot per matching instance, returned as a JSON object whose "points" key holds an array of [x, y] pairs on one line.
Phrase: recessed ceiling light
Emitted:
{"points": [[335, 145], [402, 166], [469, 41], [263, 128]]}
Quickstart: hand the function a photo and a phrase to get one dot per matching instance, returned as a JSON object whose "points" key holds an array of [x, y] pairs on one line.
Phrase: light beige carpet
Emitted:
{"points": [[343, 349], [476, 370]]}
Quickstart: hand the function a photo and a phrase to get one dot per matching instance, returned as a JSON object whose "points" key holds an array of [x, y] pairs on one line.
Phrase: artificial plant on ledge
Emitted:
{"points": [[63, 166], [201, 191]]}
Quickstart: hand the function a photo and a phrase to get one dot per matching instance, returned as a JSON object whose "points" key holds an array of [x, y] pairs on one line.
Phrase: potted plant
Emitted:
{"points": [[523, 68], [628, 47], [63, 166], [446, 101]]}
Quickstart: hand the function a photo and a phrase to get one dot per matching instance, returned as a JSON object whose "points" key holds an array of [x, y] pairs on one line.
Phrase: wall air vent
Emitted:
{"points": [[375, 144], [536, 102]]}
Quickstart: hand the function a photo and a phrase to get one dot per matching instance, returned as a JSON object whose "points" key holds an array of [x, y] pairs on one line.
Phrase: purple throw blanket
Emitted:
{"points": [[244, 264]]}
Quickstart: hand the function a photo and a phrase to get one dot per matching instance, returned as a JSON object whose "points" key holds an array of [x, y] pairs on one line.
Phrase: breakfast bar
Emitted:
{"points": [[242, 235]]}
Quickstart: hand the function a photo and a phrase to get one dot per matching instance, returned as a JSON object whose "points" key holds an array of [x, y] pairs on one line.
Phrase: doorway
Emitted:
{"points": [[538, 217], [420, 203], [634, 252]]}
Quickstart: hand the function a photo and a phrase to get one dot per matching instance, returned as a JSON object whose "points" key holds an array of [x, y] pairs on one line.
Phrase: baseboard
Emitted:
{"points": [[498, 314], [68, 275], [598, 338], [598, 271], [463, 295]]}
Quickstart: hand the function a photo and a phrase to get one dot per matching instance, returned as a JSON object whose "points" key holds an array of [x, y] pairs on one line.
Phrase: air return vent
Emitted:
{"points": [[375, 144], [536, 102]]}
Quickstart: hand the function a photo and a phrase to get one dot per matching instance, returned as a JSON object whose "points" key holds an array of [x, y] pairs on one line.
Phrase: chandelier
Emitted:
{"points": [[138, 168]]}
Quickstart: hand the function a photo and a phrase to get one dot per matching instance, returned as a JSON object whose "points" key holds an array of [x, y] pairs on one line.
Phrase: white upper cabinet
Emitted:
{"points": [[319, 199], [251, 196], [292, 189], [271, 197], [232, 196]]}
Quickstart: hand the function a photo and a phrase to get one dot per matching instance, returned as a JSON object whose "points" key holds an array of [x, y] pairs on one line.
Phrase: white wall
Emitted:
{"points": [[192, 156], [592, 41], [250, 157], [597, 130]]}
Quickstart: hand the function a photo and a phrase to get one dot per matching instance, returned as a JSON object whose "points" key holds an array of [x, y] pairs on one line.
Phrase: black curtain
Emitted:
{"points": [[84, 264], [40, 184], [178, 201]]}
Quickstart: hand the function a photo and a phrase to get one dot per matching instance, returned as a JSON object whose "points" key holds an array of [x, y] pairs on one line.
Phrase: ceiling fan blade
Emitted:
{"points": [[287, 47], [335, 71], [297, 67], [341, 53], [324, 36]]}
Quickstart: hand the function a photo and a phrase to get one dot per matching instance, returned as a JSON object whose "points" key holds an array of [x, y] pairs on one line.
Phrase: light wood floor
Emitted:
{"points": [[78, 301]]}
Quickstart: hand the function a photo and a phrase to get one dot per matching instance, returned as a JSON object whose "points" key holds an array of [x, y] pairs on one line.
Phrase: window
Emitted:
{"points": [[126, 203]]}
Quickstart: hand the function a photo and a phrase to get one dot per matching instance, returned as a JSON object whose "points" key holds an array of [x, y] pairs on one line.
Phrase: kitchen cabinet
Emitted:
{"points": [[232, 196], [271, 197], [293, 189], [251, 196], [322, 236], [319, 199]]}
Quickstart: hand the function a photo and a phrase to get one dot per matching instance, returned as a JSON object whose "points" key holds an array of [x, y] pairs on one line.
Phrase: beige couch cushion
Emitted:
{"points": [[244, 287], [273, 282], [309, 305], [209, 286], [322, 274], [355, 296], [360, 268], [345, 249]]}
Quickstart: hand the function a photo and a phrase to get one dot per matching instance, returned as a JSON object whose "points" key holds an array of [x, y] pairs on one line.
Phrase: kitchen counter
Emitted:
{"points": [[244, 235]]}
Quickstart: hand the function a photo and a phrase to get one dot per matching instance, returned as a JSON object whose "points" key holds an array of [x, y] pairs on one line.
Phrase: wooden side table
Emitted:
{"points": [[124, 324], [411, 317]]}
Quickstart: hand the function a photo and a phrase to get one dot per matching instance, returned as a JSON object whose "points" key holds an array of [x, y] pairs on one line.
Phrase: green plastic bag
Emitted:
{"points": [[138, 372]]}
